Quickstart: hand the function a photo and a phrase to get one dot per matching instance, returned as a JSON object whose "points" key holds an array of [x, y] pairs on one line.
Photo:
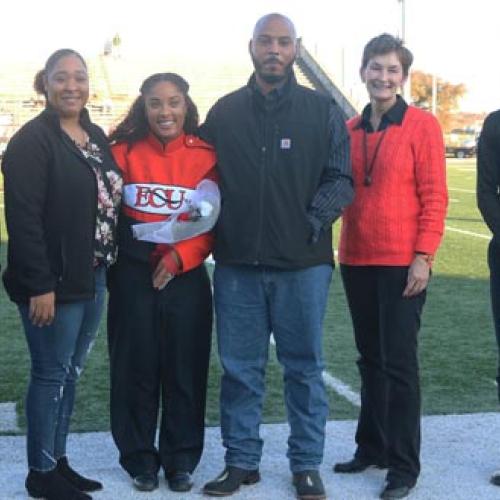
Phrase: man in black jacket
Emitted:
{"points": [[284, 167], [488, 200]]}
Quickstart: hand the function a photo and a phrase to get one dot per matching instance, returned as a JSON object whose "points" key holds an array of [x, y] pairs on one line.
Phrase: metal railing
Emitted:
{"points": [[321, 81]]}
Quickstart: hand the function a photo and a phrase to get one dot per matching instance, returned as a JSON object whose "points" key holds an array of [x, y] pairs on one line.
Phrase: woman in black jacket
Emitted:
{"points": [[62, 189]]}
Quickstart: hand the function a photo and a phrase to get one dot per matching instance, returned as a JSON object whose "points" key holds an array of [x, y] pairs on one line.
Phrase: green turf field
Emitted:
{"points": [[458, 353]]}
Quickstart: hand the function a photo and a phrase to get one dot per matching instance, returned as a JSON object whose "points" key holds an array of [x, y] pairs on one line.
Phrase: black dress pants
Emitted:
{"points": [[494, 265], [386, 326], [159, 348]]}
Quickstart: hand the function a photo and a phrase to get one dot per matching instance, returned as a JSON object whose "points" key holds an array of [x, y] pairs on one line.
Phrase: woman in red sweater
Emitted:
{"points": [[388, 239], [160, 303]]}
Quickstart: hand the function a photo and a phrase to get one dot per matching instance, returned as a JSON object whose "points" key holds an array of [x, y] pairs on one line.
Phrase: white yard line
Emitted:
{"points": [[8, 417], [469, 170], [469, 233], [342, 389], [460, 190]]}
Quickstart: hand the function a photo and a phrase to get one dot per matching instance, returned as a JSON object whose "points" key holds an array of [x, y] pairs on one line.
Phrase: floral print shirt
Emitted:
{"points": [[109, 190]]}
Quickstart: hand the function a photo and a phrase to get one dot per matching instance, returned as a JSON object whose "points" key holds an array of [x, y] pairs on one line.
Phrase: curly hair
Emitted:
{"points": [[135, 126], [384, 44], [40, 77]]}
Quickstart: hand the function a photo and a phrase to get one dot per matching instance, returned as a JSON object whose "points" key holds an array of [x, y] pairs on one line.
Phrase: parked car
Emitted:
{"points": [[3, 147], [461, 143]]}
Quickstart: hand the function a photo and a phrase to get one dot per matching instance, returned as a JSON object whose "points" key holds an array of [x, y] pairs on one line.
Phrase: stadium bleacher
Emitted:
{"points": [[115, 82]]}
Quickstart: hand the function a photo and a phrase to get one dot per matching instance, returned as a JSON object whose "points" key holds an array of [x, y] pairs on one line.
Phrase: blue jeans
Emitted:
{"points": [[58, 353], [494, 265], [250, 303]]}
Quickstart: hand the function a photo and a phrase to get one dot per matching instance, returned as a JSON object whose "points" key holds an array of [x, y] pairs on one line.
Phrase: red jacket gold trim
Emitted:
{"points": [[157, 181]]}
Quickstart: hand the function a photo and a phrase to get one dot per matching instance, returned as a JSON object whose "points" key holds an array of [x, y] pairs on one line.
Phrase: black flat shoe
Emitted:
{"points": [[146, 482], [356, 465], [392, 492], [78, 481], [495, 478], [179, 481]]}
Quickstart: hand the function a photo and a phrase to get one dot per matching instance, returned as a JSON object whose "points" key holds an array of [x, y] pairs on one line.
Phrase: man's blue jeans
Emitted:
{"points": [[250, 303], [58, 353]]}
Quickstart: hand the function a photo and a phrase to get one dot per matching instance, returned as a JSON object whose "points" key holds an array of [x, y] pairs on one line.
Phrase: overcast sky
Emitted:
{"points": [[459, 43]]}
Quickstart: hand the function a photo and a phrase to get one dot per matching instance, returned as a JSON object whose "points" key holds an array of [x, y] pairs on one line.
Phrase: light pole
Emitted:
{"points": [[434, 93], [403, 20], [406, 90]]}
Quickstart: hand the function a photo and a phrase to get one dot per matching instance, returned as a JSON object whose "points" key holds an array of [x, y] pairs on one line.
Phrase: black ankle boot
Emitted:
{"points": [[80, 482], [52, 486]]}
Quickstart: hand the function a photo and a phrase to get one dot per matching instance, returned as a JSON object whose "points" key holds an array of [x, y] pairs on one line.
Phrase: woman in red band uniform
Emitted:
{"points": [[389, 236], [160, 303]]}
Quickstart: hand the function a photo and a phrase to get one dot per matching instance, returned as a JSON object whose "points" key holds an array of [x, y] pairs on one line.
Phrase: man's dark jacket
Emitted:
{"points": [[50, 208], [271, 157]]}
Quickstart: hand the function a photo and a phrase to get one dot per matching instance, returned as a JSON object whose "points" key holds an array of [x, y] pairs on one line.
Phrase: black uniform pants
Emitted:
{"points": [[159, 348], [386, 326]]}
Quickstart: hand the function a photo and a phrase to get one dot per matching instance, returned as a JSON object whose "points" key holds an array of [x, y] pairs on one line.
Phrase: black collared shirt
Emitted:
{"points": [[272, 97], [393, 116]]}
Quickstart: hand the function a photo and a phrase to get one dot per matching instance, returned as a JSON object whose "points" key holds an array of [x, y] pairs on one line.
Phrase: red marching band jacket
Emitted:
{"points": [[158, 180]]}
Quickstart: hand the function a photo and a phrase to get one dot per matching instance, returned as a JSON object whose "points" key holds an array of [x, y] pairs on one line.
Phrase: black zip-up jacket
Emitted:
{"points": [[285, 175], [50, 208], [488, 173]]}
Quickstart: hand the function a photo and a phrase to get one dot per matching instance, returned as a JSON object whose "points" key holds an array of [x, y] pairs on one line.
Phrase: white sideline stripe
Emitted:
{"points": [[470, 233], [342, 389], [466, 168], [8, 417], [460, 190]]}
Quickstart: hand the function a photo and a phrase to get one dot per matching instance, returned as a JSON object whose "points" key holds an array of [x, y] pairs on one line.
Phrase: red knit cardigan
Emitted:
{"points": [[403, 210]]}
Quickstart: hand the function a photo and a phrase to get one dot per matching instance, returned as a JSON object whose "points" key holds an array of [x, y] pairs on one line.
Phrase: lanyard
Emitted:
{"points": [[369, 168]]}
